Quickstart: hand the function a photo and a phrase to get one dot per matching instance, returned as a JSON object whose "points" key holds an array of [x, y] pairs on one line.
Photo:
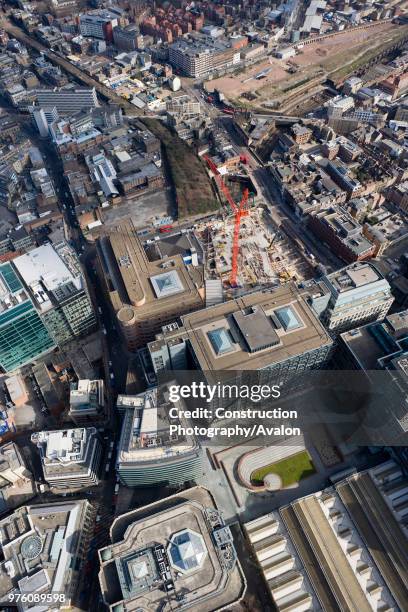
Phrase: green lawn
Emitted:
{"points": [[291, 470]]}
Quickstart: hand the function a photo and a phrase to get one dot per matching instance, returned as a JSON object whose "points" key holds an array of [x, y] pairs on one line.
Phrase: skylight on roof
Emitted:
{"points": [[288, 318]]}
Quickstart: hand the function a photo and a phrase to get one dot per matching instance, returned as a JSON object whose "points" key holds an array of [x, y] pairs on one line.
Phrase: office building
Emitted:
{"points": [[127, 38], [351, 296], [67, 101], [52, 275], [44, 549], [380, 351], [42, 118], [146, 294], [147, 454], [375, 345], [41, 122], [342, 233], [70, 458], [98, 24], [271, 330], [16, 481], [177, 552], [23, 335], [87, 402], [332, 550], [197, 59]]}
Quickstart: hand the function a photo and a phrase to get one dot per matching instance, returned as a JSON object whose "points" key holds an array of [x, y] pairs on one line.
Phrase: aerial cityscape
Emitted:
{"points": [[204, 305]]}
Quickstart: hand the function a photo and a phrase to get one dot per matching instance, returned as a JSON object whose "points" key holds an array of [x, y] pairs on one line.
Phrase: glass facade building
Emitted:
{"points": [[23, 335]]}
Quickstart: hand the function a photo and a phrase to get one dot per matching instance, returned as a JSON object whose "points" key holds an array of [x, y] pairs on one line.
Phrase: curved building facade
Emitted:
{"points": [[148, 455]]}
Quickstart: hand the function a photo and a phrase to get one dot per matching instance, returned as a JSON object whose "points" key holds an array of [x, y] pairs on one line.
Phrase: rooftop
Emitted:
{"points": [[41, 545], [145, 436], [145, 285], [354, 276], [168, 552], [251, 332]]}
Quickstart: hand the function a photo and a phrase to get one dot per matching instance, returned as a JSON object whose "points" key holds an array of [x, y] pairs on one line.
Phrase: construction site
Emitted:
{"points": [[245, 249], [265, 255]]}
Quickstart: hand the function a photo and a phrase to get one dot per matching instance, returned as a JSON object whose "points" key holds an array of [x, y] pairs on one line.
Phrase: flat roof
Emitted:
{"points": [[258, 341], [43, 264], [355, 275], [147, 287], [145, 560]]}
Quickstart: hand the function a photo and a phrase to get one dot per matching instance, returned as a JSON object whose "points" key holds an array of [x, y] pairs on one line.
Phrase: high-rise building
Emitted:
{"points": [[70, 458], [147, 454], [67, 101], [351, 296], [43, 117], [87, 402], [53, 277], [127, 38], [146, 294], [41, 122], [343, 548], [23, 335], [98, 24], [267, 330], [44, 550], [177, 552]]}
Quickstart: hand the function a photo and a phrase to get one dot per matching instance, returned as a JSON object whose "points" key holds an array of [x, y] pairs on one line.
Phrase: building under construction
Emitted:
{"points": [[265, 255]]}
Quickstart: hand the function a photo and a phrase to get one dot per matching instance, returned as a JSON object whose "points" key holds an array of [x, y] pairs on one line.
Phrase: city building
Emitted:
{"points": [[342, 233], [197, 59], [147, 454], [351, 296], [68, 100], [146, 294], [44, 549], [175, 552], [16, 481], [331, 549], [53, 278], [340, 173], [23, 334], [70, 458], [98, 24], [87, 402], [127, 38], [267, 330], [383, 346], [375, 345]]}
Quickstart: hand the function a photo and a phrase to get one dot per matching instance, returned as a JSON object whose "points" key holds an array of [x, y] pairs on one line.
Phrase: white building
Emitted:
{"points": [[357, 294], [67, 101], [53, 277], [86, 401], [70, 458]]}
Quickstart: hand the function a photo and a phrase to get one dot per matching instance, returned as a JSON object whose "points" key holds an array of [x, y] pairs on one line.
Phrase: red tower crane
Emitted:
{"points": [[239, 211]]}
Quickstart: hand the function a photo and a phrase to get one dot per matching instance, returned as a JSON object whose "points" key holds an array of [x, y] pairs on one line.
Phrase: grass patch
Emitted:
{"points": [[193, 189], [291, 470]]}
